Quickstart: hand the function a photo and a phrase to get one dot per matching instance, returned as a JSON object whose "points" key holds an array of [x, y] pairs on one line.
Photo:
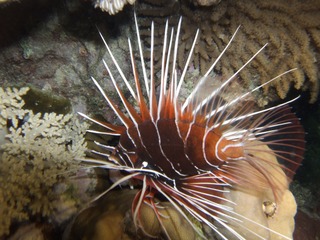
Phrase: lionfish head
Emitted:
{"points": [[191, 152]]}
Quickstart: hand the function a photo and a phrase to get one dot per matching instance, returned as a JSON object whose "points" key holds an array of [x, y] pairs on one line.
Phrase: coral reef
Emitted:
{"points": [[206, 2], [250, 206], [111, 216], [44, 101], [260, 207], [69, 79], [291, 29], [55, 46], [105, 218], [30, 231], [36, 158], [112, 6]]}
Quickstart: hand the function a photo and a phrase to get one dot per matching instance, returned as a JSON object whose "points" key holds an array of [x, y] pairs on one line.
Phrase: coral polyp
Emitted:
{"points": [[192, 151]]}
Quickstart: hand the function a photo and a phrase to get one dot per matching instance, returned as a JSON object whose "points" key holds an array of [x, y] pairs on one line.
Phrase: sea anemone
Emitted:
{"points": [[190, 152]]}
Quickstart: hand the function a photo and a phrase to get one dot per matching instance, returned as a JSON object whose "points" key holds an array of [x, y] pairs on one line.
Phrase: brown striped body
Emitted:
{"points": [[174, 148]]}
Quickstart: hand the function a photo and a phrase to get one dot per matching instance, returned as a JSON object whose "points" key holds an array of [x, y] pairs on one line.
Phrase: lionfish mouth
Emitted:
{"points": [[194, 152]]}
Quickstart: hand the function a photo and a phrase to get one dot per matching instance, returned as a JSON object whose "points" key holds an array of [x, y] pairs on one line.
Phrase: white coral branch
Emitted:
{"points": [[39, 148], [112, 6]]}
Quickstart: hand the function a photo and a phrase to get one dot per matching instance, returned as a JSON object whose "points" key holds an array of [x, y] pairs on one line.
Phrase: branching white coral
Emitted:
{"points": [[11, 104], [112, 6], [39, 149]]}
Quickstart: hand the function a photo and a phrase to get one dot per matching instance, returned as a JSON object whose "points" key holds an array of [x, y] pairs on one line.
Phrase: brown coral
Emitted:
{"points": [[111, 217], [291, 29]]}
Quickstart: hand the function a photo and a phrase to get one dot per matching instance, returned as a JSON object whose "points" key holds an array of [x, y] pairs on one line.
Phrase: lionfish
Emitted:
{"points": [[191, 151]]}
